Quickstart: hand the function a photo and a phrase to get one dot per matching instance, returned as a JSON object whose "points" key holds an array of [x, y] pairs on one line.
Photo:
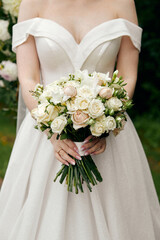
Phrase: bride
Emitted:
{"points": [[52, 39]]}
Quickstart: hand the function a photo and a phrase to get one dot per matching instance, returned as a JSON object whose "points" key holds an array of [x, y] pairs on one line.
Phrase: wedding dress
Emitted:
{"points": [[33, 207]]}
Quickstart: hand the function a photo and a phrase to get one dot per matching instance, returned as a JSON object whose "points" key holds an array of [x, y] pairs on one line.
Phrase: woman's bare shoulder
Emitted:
{"points": [[126, 9], [29, 9]]}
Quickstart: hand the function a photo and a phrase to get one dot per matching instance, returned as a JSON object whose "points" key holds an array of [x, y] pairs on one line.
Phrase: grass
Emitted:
{"points": [[147, 128]]}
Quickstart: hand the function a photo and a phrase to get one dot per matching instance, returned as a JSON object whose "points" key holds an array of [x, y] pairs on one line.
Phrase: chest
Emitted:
{"points": [[79, 17]]}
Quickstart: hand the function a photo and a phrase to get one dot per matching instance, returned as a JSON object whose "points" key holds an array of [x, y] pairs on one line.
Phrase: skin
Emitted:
{"points": [[78, 17]]}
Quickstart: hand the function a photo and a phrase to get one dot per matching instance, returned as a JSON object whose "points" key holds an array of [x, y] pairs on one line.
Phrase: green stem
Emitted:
{"points": [[59, 173]]}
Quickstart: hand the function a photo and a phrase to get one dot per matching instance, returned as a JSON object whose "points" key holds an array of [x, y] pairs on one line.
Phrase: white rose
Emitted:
{"points": [[82, 103], [11, 6], [4, 34], [8, 71], [58, 124], [114, 103], [44, 113], [85, 91], [71, 105], [97, 129], [96, 108], [2, 83], [110, 123]]}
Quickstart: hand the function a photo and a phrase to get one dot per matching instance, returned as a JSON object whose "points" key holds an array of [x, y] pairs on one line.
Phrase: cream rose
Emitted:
{"points": [[110, 123], [82, 103], [106, 92], [96, 108], [59, 124], [85, 91], [97, 129], [71, 105], [8, 71], [70, 91], [79, 118], [4, 34], [114, 103], [11, 6], [44, 113]]}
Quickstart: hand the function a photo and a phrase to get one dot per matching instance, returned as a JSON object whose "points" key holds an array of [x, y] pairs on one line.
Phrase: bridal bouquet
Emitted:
{"points": [[77, 106]]}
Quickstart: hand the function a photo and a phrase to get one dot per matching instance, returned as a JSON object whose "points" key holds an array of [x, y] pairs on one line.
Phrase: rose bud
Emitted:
{"points": [[106, 92], [70, 91]]}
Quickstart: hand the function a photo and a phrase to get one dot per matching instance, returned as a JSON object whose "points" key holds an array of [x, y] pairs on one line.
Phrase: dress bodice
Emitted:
{"points": [[59, 53]]}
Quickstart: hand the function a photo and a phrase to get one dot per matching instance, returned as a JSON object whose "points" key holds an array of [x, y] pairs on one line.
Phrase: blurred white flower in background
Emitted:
{"points": [[11, 6], [4, 34], [2, 83], [8, 71]]}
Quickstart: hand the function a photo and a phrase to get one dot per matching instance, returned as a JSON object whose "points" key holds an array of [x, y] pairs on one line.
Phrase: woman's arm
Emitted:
{"points": [[27, 58], [127, 61]]}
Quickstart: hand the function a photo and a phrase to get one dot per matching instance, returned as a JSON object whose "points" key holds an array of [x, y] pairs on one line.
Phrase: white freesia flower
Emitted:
{"points": [[114, 103], [57, 94], [59, 124], [11, 6], [81, 75], [96, 108], [2, 83], [110, 123], [82, 103], [97, 129], [4, 34], [8, 71], [72, 83], [103, 78], [47, 94], [44, 113]]}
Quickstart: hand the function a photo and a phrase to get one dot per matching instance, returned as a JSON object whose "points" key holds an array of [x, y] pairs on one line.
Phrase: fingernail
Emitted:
{"points": [[67, 164], [76, 149], [86, 153], [78, 157], [85, 141], [73, 163]]}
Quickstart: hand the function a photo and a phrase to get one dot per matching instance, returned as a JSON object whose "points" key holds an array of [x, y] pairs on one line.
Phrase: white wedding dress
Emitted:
{"points": [[33, 207]]}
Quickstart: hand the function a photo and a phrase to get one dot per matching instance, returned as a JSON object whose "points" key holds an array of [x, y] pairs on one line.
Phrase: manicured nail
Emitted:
{"points": [[67, 164], [85, 141], [73, 163], [78, 157], [76, 149]]}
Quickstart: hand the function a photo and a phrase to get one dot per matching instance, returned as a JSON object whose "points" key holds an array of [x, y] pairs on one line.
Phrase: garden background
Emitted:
{"points": [[146, 111]]}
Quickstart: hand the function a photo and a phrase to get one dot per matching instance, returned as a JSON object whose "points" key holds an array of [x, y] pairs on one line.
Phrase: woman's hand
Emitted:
{"points": [[94, 145], [62, 149]]}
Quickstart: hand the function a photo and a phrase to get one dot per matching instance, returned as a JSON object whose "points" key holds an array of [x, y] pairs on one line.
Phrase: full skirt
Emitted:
{"points": [[124, 206]]}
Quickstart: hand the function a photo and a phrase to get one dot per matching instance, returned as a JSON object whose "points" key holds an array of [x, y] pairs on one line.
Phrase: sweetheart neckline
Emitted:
{"points": [[71, 35]]}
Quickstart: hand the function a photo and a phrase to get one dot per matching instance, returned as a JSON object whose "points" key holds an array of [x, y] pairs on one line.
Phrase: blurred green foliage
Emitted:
{"points": [[147, 92]]}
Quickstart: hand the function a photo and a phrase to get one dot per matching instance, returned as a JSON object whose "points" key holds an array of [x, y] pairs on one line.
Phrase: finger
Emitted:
{"points": [[71, 152], [71, 144], [93, 149], [89, 138], [66, 157], [101, 150], [59, 158], [90, 144]]}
